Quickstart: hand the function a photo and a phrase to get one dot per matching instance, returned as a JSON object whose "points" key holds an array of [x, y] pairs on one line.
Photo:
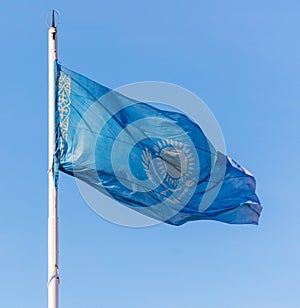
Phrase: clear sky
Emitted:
{"points": [[243, 59]]}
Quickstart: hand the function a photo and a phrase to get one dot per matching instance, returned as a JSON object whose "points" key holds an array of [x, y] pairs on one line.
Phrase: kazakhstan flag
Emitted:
{"points": [[152, 159]]}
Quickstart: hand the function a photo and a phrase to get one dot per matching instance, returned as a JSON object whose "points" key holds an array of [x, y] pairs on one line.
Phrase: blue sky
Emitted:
{"points": [[243, 59]]}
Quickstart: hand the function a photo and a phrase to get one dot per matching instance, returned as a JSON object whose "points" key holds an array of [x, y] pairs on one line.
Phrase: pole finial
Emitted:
{"points": [[53, 19]]}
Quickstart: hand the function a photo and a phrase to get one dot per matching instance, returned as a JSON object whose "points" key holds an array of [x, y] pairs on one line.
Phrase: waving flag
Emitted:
{"points": [[152, 159]]}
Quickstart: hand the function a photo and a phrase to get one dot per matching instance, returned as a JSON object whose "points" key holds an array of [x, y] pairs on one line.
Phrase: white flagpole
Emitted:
{"points": [[53, 275]]}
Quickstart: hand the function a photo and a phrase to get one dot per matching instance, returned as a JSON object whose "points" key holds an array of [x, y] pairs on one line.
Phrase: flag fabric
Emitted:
{"points": [[152, 159]]}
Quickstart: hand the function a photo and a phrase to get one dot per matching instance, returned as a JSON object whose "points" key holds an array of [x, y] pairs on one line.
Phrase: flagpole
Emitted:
{"points": [[53, 275]]}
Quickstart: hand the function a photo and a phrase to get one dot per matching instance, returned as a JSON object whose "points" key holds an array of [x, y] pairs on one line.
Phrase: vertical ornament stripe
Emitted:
{"points": [[63, 107]]}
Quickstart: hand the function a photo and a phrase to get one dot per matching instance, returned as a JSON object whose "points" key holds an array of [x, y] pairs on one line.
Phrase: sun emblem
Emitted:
{"points": [[170, 166]]}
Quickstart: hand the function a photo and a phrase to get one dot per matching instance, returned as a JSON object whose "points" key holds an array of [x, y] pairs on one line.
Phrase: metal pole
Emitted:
{"points": [[53, 275]]}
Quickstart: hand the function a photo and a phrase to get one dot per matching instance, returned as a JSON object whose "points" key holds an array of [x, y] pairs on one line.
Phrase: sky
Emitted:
{"points": [[243, 59]]}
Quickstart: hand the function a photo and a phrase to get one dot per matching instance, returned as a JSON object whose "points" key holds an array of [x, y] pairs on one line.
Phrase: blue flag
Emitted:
{"points": [[152, 159]]}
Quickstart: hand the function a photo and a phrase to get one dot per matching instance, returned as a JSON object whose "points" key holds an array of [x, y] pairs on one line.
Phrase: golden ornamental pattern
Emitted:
{"points": [[63, 107]]}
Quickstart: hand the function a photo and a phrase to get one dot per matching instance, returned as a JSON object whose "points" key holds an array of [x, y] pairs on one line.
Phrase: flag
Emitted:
{"points": [[150, 158]]}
